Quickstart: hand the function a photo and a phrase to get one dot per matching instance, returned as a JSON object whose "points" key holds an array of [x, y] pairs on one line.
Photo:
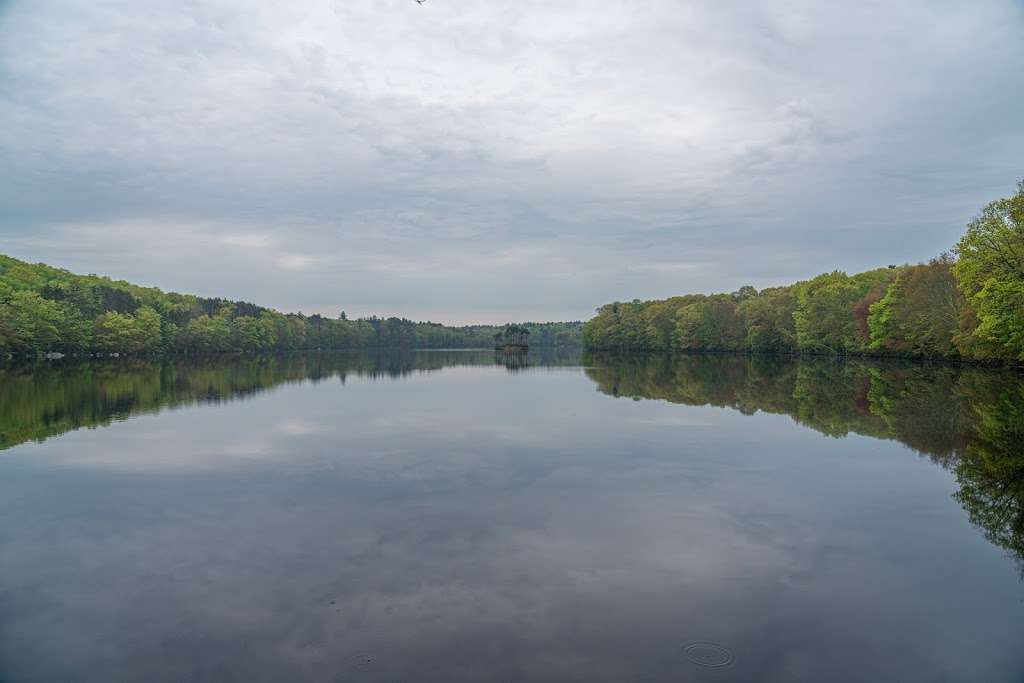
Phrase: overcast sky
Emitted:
{"points": [[472, 160]]}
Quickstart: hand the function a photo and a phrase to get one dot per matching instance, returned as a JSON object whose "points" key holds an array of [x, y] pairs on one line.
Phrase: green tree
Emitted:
{"points": [[920, 312], [769, 322], [150, 332], [714, 324], [50, 309], [126, 333], [990, 272], [252, 334], [208, 334], [31, 324], [824, 316]]}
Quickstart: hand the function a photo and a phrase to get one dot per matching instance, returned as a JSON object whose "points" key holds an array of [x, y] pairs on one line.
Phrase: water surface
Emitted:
{"points": [[466, 516]]}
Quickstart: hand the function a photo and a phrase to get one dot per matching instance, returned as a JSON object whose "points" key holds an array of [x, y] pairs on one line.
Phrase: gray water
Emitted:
{"points": [[466, 516]]}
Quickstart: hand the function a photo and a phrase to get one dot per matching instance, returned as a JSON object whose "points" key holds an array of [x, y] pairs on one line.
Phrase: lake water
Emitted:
{"points": [[467, 516]]}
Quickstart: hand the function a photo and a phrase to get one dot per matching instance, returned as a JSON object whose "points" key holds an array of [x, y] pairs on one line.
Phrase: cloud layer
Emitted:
{"points": [[472, 161]]}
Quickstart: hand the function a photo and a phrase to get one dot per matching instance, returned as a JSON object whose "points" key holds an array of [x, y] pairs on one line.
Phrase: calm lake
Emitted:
{"points": [[471, 516]]}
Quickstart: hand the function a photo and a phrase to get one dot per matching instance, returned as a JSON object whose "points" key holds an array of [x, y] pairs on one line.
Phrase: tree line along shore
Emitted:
{"points": [[964, 305], [45, 310]]}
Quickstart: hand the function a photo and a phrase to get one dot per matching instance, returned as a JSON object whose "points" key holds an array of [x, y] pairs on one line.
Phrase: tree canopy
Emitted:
{"points": [[45, 309], [990, 272], [967, 305]]}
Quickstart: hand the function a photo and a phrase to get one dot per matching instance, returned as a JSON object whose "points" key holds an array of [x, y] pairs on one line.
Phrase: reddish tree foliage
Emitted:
{"points": [[862, 309]]}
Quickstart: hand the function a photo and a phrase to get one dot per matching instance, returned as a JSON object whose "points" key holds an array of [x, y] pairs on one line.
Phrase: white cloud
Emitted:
{"points": [[574, 152], [668, 267], [295, 261], [248, 240]]}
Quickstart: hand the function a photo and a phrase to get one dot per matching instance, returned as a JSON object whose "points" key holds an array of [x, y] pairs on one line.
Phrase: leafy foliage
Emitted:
{"points": [[825, 320], [970, 308], [45, 309], [920, 313], [990, 272]]}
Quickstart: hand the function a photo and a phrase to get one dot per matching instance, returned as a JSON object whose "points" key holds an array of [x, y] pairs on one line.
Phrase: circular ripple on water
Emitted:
{"points": [[708, 655], [360, 660]]}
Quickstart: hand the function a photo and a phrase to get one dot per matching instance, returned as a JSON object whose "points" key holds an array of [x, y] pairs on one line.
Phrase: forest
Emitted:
{"points": [[963, 305], [50, 310]]}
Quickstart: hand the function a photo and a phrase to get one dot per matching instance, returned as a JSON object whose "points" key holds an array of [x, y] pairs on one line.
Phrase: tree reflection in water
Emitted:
{"points": [[968, 419]]}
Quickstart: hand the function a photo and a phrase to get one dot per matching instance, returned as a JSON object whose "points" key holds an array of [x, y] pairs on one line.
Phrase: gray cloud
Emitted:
{"points": [[468, 161]]}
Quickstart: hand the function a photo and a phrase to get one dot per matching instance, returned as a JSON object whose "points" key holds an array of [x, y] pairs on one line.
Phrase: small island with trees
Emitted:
{"points": [[514, 338], [51, 311], [967, 305]]}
